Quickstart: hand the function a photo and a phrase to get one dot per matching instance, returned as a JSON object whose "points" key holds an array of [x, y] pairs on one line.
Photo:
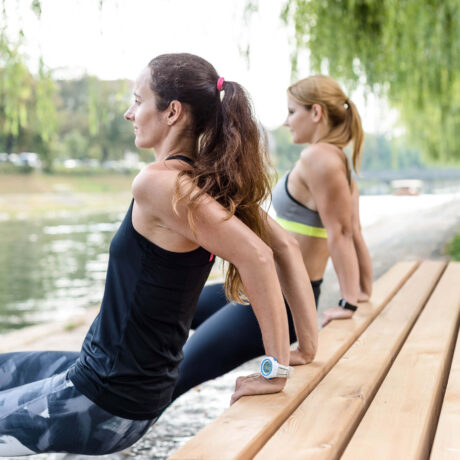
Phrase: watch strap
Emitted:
{"points": [[348, 306], [284, 371]]}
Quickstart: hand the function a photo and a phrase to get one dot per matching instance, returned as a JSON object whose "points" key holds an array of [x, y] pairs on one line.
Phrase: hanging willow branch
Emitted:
{"points": [[406, 50]]}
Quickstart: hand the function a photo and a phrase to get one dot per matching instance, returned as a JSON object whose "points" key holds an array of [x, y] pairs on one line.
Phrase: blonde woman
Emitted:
{"points": [[318, 200]]}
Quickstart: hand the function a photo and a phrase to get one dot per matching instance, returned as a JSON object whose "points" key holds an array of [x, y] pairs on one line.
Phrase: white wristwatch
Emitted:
{"points": [[270, 368]]}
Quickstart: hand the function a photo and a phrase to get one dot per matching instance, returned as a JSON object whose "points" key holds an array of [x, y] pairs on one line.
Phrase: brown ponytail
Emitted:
{"points": [[341, 114], [230, 161]]}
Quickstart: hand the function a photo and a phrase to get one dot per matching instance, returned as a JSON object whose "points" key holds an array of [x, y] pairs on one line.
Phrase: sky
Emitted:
{"points": [[117, 41]]}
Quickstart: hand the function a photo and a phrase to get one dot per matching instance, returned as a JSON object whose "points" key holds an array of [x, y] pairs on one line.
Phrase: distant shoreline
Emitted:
{"points": [[47, 196], [52, 205]]}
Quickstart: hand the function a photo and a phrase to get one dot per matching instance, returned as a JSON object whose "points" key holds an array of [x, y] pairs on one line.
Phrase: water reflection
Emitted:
{"points": [[52, 268]]}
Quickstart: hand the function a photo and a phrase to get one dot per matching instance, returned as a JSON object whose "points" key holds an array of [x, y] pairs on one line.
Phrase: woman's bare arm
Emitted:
{"points": [[297, 290], [232, 240], [362, 252], [325, 176]]}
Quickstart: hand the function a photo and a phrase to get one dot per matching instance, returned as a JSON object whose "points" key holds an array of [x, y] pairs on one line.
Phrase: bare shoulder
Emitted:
{"points": [[152, 180], [322, 158]]}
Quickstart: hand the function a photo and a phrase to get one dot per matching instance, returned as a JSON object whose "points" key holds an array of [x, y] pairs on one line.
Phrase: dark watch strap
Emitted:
{"points": [[348, 306]]}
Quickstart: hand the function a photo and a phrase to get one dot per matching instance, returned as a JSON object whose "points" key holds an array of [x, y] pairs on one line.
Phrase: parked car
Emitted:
{"points": [[30, 159]]}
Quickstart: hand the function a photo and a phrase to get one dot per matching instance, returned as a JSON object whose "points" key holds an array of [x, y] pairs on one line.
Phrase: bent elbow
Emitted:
{"points": [[287, 245], [340, 232], [263, 254], [253, 254]]}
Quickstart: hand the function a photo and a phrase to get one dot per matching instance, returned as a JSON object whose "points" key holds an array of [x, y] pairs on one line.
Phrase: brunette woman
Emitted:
{"points": [[199, 199]]}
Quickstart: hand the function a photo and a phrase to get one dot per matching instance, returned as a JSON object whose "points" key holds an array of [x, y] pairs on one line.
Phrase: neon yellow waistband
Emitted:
{"points": [[302, 229]]}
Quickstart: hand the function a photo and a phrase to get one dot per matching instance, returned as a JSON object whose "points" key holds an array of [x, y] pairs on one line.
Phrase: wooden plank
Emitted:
{"points": [[322, 425], [446, 444], [247, 425], [401, 420]]}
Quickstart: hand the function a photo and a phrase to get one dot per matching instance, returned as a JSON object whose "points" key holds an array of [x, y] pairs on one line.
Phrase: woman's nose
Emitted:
{"points": [[128, 115]]}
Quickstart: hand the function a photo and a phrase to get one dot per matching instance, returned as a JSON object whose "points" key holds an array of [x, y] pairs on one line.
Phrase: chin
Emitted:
{"points": [[139, 144]]}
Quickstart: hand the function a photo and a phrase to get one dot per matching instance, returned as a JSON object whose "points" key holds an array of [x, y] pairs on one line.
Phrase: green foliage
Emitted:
{"points": [[27, 108], [91, 119], [15, 88], [453, 248], [283, 152], [379, 153], [406, 50]]}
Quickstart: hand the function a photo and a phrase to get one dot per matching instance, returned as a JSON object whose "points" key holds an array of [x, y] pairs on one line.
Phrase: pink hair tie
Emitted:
{"points": [[220, 83]]}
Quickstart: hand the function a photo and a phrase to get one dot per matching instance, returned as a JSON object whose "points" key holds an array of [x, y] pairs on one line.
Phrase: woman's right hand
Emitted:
{"points": [[255, 384], [299, 357], [335, 313]]}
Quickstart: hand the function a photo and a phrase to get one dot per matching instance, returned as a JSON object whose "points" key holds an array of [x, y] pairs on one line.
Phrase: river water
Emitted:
{"points": [[52, 269]]}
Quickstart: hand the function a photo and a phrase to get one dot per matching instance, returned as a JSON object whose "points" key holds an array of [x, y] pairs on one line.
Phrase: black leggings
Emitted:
{"points": [[226, 336]]}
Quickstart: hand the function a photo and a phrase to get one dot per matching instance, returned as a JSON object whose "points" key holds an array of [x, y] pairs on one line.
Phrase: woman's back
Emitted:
{"points": [[295, 203]]}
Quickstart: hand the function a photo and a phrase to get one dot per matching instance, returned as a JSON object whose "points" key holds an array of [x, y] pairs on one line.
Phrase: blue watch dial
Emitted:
{"points": [[267, 367]]}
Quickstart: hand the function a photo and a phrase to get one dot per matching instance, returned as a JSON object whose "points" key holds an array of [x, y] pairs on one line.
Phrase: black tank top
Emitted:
{"points": [[128, 363]]}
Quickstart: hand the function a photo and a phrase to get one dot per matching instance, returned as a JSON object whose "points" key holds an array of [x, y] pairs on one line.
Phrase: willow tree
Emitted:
{"points": [[405, 50], [27, 107], [15, 92]]}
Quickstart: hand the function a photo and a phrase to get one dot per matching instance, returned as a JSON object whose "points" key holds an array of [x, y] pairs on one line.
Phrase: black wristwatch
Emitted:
{"points": [[348, 306]]}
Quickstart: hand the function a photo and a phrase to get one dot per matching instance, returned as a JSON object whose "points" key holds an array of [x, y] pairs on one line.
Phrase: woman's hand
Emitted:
{"points": [[255, 384], [299, 357], [335, 313]]}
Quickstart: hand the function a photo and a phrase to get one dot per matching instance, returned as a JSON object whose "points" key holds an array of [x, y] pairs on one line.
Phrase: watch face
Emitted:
{"points": [[267, 366]]}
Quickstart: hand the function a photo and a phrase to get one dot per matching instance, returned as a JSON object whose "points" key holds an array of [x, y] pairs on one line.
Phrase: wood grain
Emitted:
{"points": [[322, 425], [401, 421], [246, 426]]}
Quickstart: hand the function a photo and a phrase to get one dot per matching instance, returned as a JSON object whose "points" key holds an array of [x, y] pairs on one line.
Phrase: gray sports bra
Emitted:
{"points": [[293, 215]]}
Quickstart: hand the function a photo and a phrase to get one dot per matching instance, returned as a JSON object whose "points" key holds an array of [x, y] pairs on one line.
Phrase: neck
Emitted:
{"points": [[320, 132], [174, 144]]}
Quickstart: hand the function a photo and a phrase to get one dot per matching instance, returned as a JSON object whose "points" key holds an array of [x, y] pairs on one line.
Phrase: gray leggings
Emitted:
{"points": [[41, 410]]}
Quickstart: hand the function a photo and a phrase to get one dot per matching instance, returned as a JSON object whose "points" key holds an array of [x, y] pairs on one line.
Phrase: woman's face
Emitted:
{"points": [[150, 125], [300, 121]]}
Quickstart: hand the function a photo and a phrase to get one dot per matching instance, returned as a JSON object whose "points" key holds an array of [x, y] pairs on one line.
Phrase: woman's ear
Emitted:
{"points": [[174, 112], [317, 112]]}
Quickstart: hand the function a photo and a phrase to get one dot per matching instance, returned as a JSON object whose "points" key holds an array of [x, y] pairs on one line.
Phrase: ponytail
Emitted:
{"points": [[231, 166], [230, 161], [354, 127]]}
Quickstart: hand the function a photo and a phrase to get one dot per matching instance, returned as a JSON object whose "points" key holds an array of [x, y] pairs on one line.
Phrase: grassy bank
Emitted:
{"points": [[24, 196], [64, 183], [453, 248]]}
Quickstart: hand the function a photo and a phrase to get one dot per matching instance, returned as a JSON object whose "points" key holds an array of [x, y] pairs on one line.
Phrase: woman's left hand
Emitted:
{"points": [[363, 297], [335, 313], [255, 384]]}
